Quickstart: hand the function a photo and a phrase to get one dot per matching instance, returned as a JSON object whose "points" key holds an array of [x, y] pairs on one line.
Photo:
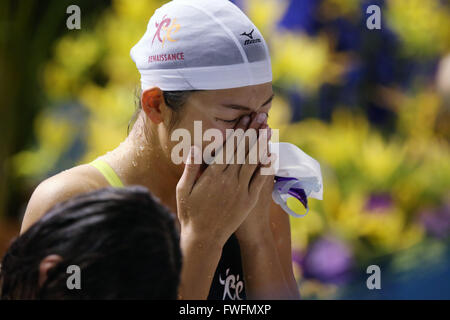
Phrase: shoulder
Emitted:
{"points": [[59, 188]]}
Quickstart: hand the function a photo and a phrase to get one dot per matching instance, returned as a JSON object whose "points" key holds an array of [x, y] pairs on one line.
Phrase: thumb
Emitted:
{"points": [[191, 170]]}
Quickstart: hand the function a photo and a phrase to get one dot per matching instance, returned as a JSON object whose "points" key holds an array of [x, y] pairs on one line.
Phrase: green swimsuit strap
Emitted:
{"points": [[108, 172]]}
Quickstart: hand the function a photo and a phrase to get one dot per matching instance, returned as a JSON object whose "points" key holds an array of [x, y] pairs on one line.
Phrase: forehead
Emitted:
{"points": [[251, 96]]}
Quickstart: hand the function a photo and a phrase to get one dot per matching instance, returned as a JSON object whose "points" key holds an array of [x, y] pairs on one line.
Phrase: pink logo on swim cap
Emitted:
{"points": [[164, 25]]}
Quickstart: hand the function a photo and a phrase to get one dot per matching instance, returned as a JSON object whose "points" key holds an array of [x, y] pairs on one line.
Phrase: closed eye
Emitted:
{"points": [[228, 121], [235, 120]]}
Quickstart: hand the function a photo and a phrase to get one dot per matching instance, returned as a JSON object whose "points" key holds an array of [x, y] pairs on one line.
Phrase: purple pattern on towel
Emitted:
{"points": [[297, 193]]}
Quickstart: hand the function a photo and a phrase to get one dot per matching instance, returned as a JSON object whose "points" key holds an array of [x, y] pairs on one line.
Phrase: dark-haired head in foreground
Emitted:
{"points": [[123, 241]]}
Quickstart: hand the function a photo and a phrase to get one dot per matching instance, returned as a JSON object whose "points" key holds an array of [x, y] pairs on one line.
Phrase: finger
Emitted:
{"points": [[259, 121], [246, 142], [258, 182], [235, 154], [243, 123], [252, 160], [269, 168], [190, 173], [220, 161], [264, 154]]}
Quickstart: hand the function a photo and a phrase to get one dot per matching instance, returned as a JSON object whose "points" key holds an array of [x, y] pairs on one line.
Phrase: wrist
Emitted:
{"points": [[255, 238], [200, 260], [194, 240]]}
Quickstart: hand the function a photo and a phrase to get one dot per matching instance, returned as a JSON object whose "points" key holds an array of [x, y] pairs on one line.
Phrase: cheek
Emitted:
{"points": [[193, 132], [183, 135], [199, 126]]}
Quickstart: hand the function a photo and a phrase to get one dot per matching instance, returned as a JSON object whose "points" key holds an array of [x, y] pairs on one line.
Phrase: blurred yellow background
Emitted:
{"points": [[372, 106]]}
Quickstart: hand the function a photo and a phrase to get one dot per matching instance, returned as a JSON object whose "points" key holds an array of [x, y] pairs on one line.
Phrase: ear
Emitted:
{"points": [[151, 104], [46, 264]]}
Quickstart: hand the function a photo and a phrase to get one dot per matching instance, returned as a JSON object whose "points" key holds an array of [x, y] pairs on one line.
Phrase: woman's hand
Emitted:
{"points": [[210, 208], [213, 206], [257, 223]]}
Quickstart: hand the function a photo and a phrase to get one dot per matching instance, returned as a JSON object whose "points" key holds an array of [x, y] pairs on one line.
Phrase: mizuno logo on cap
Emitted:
{"points": [[250, 35]]}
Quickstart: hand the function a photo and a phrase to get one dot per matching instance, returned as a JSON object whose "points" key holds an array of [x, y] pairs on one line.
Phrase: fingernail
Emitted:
{"points": [[261, 117], [245, 120]]}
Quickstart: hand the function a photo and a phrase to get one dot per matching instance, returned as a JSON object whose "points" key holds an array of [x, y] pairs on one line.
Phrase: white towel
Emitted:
{"points": [[295, 170]]}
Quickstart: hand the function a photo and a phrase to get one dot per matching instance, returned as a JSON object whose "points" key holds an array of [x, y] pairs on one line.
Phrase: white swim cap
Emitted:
{"points": [[201, 45]]}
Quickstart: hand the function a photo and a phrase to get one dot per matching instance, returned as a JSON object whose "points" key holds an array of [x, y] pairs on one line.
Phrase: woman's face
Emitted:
{"points": [[219, 109]]}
